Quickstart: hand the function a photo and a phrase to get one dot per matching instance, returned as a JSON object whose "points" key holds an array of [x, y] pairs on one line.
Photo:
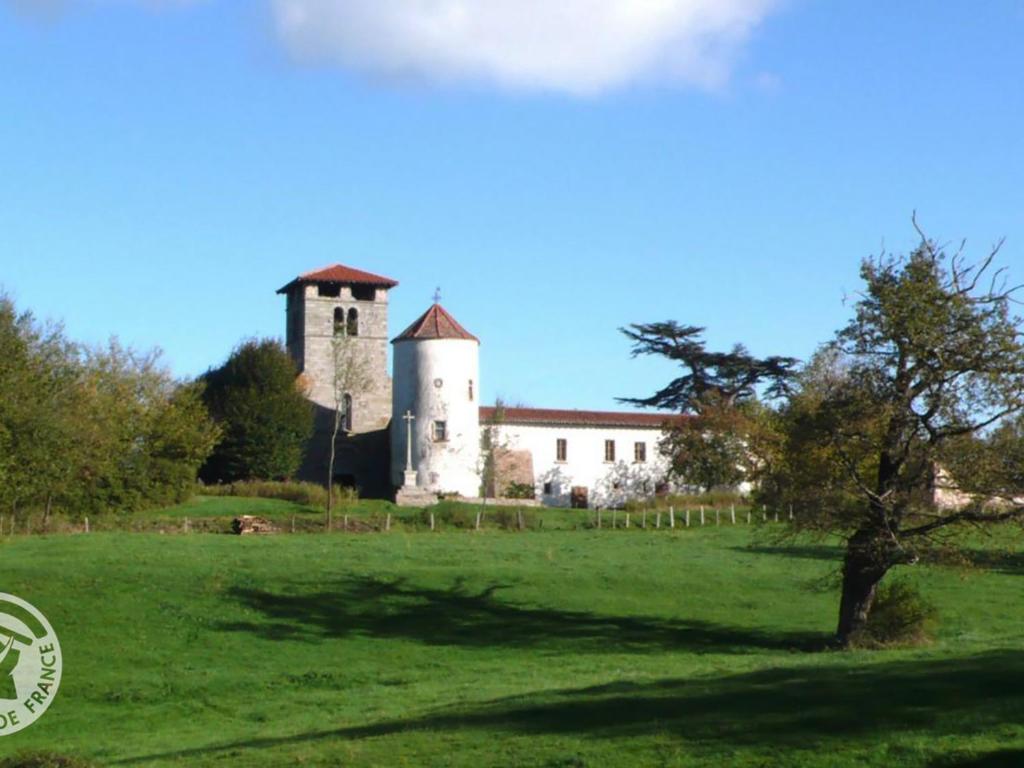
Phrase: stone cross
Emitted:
{"points": [[408, 440]]}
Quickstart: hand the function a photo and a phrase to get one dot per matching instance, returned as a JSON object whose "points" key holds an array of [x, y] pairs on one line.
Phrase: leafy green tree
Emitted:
{"points": [[91, 430], [38, 389], [142, 435], [932, 361], [723, 442], [264, 417]]}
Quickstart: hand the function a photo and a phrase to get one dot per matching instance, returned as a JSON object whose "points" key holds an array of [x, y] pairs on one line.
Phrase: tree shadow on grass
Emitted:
{"points": [[830, 552], [463, 616], [1001, 560], [1002, 758], [796, 708]]}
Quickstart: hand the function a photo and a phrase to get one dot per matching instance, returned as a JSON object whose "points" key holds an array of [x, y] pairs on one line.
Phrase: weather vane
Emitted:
{"points": [[437, 295]]}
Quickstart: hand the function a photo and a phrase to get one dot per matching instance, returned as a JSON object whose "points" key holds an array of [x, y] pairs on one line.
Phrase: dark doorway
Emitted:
{"points": [[578, 497]]}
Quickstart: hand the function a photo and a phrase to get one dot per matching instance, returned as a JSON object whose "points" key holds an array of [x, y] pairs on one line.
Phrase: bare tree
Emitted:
{"points": [[350, 378]]}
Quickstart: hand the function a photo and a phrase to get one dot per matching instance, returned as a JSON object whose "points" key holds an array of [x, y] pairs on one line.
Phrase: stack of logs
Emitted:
{"points": [[251, 524]]}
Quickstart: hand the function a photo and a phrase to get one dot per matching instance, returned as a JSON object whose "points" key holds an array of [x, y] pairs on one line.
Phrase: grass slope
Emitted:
{"points": [[583, 648]]}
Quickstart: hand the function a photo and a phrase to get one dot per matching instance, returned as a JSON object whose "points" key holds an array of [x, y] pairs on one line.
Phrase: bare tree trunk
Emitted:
{"points": [[862, 571], [330, 467]]}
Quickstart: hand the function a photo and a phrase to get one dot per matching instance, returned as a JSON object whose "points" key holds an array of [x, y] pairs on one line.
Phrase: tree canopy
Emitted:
{"points": [[720, 444], [730, 377], [89, 430], [264, 416], [924, 386]]}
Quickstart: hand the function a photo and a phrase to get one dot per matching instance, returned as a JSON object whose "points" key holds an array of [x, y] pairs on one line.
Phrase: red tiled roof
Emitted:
{"points": [[339, 273], [435, 323], [541, 416]]}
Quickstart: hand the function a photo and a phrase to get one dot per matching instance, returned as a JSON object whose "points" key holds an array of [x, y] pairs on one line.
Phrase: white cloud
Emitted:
{"points": [[577, 46]]}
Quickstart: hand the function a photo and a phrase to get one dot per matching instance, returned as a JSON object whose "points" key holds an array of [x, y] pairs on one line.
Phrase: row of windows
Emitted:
{"points": [[639, 451], [346, 324], [359, 292]]}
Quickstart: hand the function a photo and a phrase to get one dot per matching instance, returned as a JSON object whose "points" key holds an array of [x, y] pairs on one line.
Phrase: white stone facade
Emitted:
{"points": [[437, 380], [609, 483]]}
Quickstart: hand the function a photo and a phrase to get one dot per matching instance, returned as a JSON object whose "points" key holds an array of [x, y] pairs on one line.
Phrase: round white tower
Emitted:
{"points": [[435, 417]]}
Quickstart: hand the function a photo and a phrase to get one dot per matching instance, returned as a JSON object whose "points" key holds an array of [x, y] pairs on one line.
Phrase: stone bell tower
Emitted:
{"points": [[337, 316]]}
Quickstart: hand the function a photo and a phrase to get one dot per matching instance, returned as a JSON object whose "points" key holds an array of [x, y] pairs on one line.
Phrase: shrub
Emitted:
{"points": [[520, 491], [265, 420], [451, 514], [901, 616], [309, 494]]}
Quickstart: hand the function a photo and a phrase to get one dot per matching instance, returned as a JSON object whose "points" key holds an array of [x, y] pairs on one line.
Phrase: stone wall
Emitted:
{"points": [[362, 454], [511, 467], [311, 334]]}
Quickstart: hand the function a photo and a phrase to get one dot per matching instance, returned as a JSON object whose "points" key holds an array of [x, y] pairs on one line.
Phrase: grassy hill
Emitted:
{"points": [[700, 647]]}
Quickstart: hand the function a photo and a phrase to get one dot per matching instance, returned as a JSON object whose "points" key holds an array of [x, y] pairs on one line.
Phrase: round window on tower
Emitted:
{"points": [[438, 383]]}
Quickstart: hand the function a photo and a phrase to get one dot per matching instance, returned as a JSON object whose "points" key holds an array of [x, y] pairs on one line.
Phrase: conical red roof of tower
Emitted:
{"points": [[435, 323]]}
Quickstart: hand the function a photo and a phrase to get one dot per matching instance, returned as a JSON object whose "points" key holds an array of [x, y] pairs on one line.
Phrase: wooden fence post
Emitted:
{"points": [[657, 520], [615, 514], [599, 517], [344, 523], [643, 519], [86, 524], [476, 526], [702, 514], [718, 516], [627, 519], [431, 521], [387, 522], [687, 517], [671, 517], [732, 512]]}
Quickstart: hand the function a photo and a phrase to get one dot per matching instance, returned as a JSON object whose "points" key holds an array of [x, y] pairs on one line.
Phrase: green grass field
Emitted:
{"points": [[702, 647]]}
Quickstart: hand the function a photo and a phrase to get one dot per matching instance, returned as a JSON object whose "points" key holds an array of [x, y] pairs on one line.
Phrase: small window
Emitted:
{"points": [[609, 450], [339, 321], [440, 431], [471, 390], [364, 292], [346, 413], [352, 322], [639, 452], [330, 290], [547, 488], [561, 449]]}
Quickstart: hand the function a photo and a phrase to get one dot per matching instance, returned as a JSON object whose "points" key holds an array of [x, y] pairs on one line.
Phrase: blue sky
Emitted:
{"points": [[165, 167]]}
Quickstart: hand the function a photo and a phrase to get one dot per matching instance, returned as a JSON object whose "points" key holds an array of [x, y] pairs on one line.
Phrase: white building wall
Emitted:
{"points": [[609, 484], [432, 380]]}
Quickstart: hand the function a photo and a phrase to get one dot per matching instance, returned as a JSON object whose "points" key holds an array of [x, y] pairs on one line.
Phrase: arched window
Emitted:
{"points": [[471, 390], [346, 416], [339, 321], [352, 326]]}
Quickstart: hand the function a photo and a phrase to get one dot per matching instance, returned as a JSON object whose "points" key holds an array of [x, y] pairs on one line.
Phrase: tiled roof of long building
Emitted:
{"points": [[550, 416]]}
